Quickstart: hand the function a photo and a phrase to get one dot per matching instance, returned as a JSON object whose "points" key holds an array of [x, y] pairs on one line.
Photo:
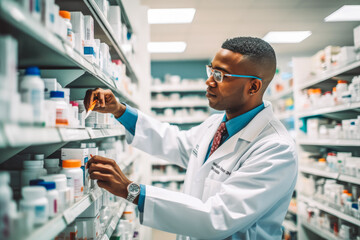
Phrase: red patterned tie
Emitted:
{"points": [[221, 131]]}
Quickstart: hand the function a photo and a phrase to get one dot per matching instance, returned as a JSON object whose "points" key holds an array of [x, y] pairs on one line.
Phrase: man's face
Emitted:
{"points": [[232, 93]]}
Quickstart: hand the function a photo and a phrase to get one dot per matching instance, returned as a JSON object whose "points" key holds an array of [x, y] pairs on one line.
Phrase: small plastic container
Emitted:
{"points": [[67, 17], [74, 174], [75, 111], [66, 194], [33, 169], [32, 90], [52, 165], [53, 197], [35, 202], [62, 112], [5, 201]]}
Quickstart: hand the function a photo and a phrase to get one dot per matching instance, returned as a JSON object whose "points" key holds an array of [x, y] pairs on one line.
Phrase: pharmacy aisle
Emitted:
{"points": [[52, 53]]}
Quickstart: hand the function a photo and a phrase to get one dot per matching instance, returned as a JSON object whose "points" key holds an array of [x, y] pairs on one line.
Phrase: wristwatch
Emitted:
{"points": [[133, 191]]}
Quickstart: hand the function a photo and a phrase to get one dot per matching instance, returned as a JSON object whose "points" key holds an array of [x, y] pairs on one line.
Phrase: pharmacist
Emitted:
{"points": [[241, 166]]}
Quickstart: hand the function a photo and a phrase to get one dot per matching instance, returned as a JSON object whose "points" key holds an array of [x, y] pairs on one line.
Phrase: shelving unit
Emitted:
{"points": [[286, 93], [167, 88], [179, 103], [39, 46], [325, 81]]}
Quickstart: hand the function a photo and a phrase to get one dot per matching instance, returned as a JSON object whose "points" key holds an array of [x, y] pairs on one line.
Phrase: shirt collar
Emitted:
{"points": [[236, 124]]}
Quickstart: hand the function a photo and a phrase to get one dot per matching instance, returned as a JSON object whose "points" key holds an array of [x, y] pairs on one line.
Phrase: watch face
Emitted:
{"points": [[133, 188]]}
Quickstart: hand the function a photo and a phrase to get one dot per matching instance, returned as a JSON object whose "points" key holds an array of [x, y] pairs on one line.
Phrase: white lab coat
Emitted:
{"points": [[241, 192]]}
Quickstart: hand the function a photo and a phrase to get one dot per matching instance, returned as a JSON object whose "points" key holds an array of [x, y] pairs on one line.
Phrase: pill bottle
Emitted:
{"points": [[66, 194], [62, 117], [32, 89], [74, 174], [75, 108], [52, 165], [35, 202], [67, 17], [32, 169], [52, 196], [5, 201]]}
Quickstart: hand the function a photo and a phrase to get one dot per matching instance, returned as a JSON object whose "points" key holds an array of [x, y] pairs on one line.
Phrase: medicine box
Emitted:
{"points": [[77, 22], [89, 27], [93, 226], [357, 37], [8, 65], [50, 85], [47, 13]]}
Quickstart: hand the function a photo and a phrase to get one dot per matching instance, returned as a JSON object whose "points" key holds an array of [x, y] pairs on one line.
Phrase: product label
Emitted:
{"points": [[40, 211]]}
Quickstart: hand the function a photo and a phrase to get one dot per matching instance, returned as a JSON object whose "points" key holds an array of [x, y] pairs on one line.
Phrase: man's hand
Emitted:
{"points": [[109, 175], [106, 103]]}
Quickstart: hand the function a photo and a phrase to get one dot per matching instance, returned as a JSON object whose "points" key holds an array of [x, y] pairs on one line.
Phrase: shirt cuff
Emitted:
{"points": [[141, 202], [129, 119]]}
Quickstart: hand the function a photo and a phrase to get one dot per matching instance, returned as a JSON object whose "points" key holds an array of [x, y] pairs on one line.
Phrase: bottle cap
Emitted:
{"points": [[65, 14], [35, 182], [48, 185], [33, 192], [33, 71], [33, 164], [75, 104], [39, 156], [342, 81], [51, 162], [71, 163], [57, 94], [322, 160]]}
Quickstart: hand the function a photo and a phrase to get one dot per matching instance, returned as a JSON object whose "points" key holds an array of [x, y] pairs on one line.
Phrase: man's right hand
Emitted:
{"points": [[106, 103]]}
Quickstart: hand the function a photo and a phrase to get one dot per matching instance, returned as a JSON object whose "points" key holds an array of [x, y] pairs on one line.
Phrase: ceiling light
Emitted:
{"points": [[345, 13], [171, 15], [166, 47], [286, 36]]}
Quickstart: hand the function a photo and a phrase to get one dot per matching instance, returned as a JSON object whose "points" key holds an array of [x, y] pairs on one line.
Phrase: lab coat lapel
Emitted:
{"points": [[248, 133]]}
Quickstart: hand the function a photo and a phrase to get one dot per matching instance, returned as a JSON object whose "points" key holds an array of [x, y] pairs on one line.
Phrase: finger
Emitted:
{"points": [[100, 176], [87, 98], [100, 159], [103, 168], [102, 99], [102, 184]]}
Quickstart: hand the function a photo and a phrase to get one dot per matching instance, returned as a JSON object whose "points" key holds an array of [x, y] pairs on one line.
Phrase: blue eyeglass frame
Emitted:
{"points": [[229, 75]]}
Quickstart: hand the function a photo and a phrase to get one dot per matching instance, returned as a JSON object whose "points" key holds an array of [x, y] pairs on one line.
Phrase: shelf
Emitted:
{"points": [[349, 179], [44, 49], [56, 225], [290, 226], [318, 172], [329, 142], [178, 88], [182, 120], [175, 178], [17, 136], [330, 210], [179, 103], [113, 222], [351, 107], [160, 162], [321, 232], [349, 69], [279, 95]]}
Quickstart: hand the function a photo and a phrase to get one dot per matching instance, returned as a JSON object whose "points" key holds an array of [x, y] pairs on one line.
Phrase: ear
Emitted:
{"points": [[255, 86]]}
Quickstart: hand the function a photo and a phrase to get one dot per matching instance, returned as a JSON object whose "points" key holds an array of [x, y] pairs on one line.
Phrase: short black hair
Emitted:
{"points": [[254, 48]]}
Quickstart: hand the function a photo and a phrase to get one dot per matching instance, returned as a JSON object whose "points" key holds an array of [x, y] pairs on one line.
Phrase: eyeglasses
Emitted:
{"points": [[219, 76]]}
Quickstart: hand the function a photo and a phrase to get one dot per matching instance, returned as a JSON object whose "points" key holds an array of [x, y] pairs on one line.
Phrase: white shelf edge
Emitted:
{"points": [[330, 210], [318, 172], [176, 178], [177, 88], [329, 142], [113, 222], [327, 110], [329, 74], [319, 231], [54, 226], [349, 179], [179, 103], [280, 95]]}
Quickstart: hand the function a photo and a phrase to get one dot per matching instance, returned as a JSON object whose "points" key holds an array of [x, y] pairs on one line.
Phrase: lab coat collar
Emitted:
{"points": [[248, 133]]}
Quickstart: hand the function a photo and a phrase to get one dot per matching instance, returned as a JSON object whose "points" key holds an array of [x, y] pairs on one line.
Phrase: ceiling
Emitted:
{"points": [[216, 20]]}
